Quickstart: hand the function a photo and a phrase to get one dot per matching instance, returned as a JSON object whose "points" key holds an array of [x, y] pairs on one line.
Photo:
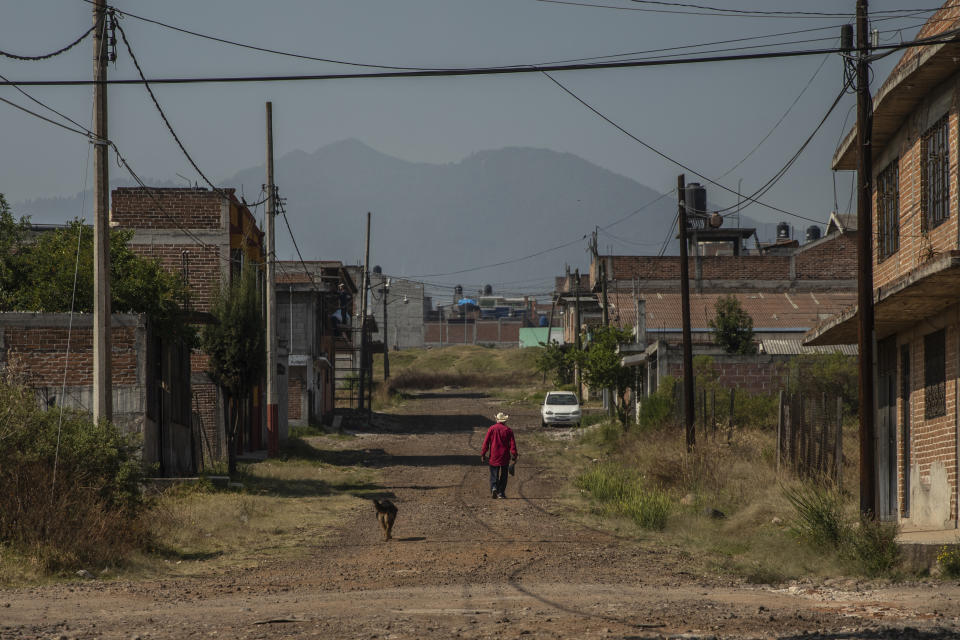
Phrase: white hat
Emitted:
{"points": [[502, 417]]}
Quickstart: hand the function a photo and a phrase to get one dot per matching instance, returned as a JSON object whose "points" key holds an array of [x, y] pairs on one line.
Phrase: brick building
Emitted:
{"points": [[916, 254], [307, 298], [207, 236], [786, 288]]}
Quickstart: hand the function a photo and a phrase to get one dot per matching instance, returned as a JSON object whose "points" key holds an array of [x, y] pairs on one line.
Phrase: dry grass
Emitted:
{"points": [[285, 506], [737, 478]]}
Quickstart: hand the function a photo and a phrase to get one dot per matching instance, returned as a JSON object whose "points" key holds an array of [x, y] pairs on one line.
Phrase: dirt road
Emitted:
{"points": [[465, 566]]}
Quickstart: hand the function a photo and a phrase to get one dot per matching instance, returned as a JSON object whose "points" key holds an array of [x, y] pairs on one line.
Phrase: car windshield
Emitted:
{"points": [[561, 398]]}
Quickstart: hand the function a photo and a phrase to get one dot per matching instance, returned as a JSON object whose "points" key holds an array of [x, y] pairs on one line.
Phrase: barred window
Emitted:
{"points": [[888, 211], [935, 175], [935, 374]]}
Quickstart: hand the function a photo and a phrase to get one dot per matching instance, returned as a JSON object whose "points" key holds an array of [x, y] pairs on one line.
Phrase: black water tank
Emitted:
{"points": [[813, 233], [696, 199], [458, 290], [377, 269], [783, 231], [488, 290]]}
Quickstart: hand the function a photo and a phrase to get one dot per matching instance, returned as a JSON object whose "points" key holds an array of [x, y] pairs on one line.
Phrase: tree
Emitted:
{"points": [[553, 359], [236, 344], [38, 275], [601, 366], [732, 326]]}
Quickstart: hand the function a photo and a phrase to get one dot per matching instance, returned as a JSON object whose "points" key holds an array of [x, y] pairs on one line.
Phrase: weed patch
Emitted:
{"points": [[620, 491]]}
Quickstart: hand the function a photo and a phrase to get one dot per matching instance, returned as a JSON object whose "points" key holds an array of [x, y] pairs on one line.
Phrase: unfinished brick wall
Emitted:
{"points": [[832, 259], [714, 267], [138, 208], [204, 266], [751, 374], [916, 246], [294, 398], [41, 354]]}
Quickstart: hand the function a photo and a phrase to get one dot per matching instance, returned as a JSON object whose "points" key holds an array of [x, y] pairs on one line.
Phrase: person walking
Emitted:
{"points": [[502, 446]]}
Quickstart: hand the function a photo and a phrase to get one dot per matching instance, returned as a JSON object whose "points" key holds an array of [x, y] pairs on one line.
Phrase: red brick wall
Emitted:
{"points": [[137, 208], [714, 267], [41, 354], [915, 246], [504, 333], [932, 440], [204, 264], [835, 259], [294, 398]]}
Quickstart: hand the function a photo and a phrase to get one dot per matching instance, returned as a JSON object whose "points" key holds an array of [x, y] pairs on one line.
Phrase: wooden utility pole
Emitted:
{"points": [[102, 376], [273, 413], [363, 320], [866, 336], [688, 417], [576, 339]]}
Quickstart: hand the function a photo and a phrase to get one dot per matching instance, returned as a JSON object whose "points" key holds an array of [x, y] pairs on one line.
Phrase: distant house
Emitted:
{"points": [[786, 288], [406, 307], [208, 236], [308, 297], [916, 255]]}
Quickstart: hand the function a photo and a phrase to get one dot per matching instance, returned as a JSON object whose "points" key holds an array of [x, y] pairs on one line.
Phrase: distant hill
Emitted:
{"points": [[491, 207]]}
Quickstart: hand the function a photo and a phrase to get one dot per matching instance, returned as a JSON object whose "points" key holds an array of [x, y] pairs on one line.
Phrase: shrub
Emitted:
{"points": [[88, 513], [620, 491], [949, 560], [820, 520], [872, 547], [659, 408]]}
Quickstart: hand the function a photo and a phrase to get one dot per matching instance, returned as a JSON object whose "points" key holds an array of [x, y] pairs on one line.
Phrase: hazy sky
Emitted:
{"points": [[707, 116]]}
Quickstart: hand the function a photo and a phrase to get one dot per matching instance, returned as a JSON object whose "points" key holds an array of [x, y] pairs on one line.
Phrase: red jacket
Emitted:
{"points": [[499, 440]]}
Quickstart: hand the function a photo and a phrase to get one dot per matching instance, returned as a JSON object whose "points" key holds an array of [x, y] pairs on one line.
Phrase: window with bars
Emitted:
{"points": [[935, 174], [934, 375], [888, 211]]}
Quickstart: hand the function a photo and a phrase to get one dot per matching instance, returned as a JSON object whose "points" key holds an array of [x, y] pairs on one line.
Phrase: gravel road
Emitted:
{"points": [[465, 566]]}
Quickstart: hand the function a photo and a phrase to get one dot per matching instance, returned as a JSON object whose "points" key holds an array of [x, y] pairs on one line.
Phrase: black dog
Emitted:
{"points": [[386, 514]]}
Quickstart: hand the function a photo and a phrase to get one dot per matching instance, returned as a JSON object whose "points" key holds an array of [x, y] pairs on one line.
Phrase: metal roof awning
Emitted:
{"points": [[921, 293]]}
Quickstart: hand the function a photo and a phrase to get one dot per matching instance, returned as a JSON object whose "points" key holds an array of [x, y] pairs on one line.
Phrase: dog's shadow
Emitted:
{"points": [[411, 539]]}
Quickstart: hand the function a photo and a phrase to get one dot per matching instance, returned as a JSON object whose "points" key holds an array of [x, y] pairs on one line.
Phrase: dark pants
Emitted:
{"points": [[498, 479]]}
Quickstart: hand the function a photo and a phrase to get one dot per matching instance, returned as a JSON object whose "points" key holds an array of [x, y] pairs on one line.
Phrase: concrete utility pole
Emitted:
{"points": [[576, 339], [386, 349], [102, 376], [273, 413], [688, 415], [363, 320], [866, 336]]}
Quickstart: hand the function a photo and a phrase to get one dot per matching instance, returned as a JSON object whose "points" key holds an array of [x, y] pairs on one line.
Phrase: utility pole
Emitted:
{"points": [[273, 413], [576, 343], [102, 376], [602, 275], [866, 337], [363, 321], [688, 415], [386, 349]]}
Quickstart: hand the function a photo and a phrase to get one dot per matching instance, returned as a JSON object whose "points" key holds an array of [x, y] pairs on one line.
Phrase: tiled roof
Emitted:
{"points": [[768, 310]]}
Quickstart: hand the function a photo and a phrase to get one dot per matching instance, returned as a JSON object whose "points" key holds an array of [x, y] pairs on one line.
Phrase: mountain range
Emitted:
{"points": [[430, 221]]}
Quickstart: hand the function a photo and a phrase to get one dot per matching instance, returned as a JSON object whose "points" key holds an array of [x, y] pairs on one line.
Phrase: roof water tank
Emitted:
{"points": [[783, 231], [813, 233], [487, 289], [695, 199], [458, 291], [377, 269]]}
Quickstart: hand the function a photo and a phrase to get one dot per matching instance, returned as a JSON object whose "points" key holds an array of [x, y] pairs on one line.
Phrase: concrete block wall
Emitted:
{"points": [[751, 374]]}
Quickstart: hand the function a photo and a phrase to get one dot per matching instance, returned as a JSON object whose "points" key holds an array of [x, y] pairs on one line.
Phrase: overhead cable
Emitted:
{"points": [[944, 38], [52, 54]]}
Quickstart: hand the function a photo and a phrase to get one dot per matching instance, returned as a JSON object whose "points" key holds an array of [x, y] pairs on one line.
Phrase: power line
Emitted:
{"points": [[655, 150], [52, 54], [89, 133], [944, 38]]}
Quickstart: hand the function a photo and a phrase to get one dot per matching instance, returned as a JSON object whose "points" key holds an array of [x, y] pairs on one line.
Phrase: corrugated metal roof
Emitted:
{"points": [[768, 310], [780, 347]]}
